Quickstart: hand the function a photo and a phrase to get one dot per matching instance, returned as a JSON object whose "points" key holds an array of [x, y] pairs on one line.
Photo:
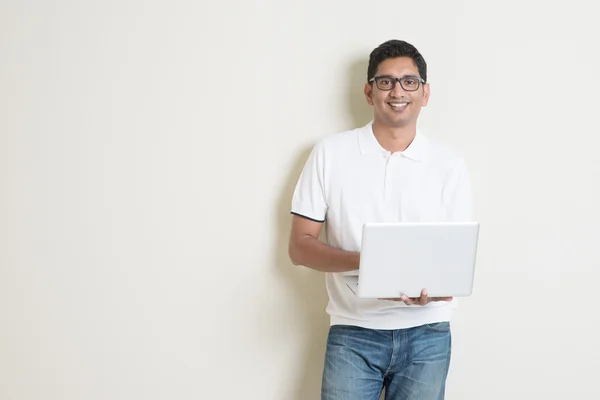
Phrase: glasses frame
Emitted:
{"points": [[397, 80]]}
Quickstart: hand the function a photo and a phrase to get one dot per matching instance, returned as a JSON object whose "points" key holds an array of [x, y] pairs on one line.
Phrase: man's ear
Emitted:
{"points": [[426, 93], [369, 93]]}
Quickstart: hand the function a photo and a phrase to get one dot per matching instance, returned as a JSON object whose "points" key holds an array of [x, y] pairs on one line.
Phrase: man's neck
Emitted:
{"points": [[392, 138]]}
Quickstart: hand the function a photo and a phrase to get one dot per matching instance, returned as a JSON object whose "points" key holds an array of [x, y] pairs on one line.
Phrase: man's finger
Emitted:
{"points": [[407, 300], [423, 299]]}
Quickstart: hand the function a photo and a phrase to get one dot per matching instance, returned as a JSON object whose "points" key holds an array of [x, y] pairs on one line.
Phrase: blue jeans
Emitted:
{"points": [[412, 364]]}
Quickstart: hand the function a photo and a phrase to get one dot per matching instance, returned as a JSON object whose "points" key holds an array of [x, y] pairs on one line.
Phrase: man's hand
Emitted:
{"points": [[419, 301]]}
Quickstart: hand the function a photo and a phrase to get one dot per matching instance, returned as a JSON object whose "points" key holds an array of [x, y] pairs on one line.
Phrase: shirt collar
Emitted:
{"points": [[418, 149]]}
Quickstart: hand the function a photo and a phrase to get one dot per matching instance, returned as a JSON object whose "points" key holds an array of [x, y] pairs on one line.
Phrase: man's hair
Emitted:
{"points": [[393, 49]]}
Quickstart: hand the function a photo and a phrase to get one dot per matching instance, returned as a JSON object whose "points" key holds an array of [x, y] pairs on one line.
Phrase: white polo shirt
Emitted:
{"points": [[349, 179]]}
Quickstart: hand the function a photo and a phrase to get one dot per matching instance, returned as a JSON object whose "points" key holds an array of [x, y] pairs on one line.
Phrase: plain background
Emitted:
{"points": [[148, 155]]}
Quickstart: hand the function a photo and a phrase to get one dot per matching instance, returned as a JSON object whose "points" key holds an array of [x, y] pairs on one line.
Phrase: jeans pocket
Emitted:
{"points": [[443, 326]]}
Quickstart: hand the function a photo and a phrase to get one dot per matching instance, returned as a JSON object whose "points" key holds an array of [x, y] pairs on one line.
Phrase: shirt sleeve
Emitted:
{"points": [[457, 194], [309, 200]]}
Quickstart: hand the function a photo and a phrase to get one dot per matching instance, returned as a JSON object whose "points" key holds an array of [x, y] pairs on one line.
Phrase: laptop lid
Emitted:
{"points": [[404, 258]]}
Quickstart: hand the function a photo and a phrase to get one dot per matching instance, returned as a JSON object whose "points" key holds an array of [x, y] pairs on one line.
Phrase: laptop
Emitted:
{"points": [[404, 258]]}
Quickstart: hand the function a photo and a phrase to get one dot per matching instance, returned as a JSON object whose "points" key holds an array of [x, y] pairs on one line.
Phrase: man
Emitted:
{"points": [[386, 171]]}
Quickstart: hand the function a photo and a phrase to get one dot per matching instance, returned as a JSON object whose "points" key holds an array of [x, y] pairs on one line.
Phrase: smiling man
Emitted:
{"points": [[386, 171]]}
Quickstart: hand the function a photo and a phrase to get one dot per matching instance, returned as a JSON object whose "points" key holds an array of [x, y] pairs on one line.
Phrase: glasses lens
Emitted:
{"points": [[410, 83], [385, 83]]}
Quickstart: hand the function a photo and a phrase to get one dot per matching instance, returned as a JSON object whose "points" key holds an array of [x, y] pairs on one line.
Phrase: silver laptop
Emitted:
{"points": [[403, 258]]}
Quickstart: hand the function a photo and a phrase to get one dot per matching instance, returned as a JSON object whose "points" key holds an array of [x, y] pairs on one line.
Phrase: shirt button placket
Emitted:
{"points": [[389, 176]]}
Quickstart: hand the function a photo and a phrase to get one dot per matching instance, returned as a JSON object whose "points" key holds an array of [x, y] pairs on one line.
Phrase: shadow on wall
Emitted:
{"points": [[359, 111], [308, 296]]}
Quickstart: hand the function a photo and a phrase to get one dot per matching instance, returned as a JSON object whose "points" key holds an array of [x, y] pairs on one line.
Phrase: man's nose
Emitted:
{"points": [[397, 91]]}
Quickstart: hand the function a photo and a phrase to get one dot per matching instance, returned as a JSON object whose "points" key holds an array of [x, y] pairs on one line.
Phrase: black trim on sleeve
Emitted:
{"points": [[304, 216]]}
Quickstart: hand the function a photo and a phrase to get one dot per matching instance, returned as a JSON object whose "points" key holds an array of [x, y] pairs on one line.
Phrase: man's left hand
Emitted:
{"points": [[419, 301]]}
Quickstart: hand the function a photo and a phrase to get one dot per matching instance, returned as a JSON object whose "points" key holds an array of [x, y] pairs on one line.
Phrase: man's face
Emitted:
{"points": [[397, 107]]}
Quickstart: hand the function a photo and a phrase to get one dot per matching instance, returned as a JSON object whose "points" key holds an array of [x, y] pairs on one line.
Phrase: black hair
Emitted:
{"points": [[393, 49]]}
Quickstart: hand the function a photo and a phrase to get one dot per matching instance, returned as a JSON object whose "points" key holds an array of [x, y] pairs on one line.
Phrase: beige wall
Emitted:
{"points": [[148, 154]]}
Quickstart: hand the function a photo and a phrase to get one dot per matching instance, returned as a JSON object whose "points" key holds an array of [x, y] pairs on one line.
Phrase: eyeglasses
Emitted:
{"points": [[388, 82]]}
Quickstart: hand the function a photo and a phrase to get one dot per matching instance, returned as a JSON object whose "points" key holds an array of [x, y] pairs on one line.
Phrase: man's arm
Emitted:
{"points": [[306, 249]]}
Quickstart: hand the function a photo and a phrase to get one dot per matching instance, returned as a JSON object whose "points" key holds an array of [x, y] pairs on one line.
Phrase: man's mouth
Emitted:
{"points": [[398, 105]]}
